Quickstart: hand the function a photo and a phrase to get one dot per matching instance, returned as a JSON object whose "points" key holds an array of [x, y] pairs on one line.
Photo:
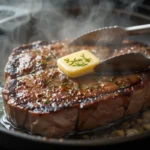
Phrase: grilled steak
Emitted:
{"points": [[41, 99]]}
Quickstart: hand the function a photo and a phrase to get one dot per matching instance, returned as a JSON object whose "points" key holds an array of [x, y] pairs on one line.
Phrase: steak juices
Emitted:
{"points": [[44, 101]]}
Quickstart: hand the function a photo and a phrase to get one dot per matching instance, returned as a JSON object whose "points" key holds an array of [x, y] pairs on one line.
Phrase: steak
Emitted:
{"points": [[39, 98]]}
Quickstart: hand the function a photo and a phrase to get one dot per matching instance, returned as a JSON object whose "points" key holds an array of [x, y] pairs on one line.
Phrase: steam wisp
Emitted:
{"points": [[54, 19]]}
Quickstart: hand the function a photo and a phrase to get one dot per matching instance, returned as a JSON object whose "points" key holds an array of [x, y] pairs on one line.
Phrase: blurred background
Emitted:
{"points": [[55, 19], [29, 20]]}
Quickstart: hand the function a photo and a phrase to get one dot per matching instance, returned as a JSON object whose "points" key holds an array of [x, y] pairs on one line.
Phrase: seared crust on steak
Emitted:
{"points": [[41, 99]]}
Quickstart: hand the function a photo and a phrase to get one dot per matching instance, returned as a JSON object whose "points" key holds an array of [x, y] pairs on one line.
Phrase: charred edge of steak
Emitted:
{"points": [[9, 92], [33, 45], [10, 68], [30, 46]]}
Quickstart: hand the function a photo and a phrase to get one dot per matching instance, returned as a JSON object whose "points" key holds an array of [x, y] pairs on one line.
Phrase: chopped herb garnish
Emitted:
{"points": [[96, 86], [33, 71], [67, 60], [46, 102], [38, 52], [111, 78], [50, 89], [122, 86], [64, 84], [44, 63], [48, 58], [46, 82], [78, 87], [83, 61], [53, 55]]}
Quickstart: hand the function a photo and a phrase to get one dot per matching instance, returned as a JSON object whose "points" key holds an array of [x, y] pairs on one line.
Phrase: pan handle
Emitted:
{"points": [[140, 29]]}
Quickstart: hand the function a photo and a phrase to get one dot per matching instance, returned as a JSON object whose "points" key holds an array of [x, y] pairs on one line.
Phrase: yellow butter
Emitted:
{"points": [[78, 64]]}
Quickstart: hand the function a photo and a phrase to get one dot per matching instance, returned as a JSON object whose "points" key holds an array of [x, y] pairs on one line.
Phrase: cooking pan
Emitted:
{"points": [[10, 136]]}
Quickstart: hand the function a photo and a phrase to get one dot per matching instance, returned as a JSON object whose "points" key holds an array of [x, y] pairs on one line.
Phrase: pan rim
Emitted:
{"points": [[78, 142]]}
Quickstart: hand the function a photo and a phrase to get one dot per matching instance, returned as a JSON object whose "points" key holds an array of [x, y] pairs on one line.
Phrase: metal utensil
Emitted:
{"points": [[110, 35], [126, 63]]}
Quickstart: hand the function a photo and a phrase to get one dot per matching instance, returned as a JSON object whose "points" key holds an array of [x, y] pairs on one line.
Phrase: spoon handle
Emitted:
{"points": [[137, 30], [124, 64]]}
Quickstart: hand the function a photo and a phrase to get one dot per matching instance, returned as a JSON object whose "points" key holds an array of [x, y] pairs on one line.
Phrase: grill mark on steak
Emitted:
{"points": [[47, 88], [32, 58], [51, 104]]}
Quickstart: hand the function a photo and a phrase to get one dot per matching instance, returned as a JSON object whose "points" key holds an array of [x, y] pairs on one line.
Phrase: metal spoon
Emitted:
{"points": [[126, 63], [110, 35]]}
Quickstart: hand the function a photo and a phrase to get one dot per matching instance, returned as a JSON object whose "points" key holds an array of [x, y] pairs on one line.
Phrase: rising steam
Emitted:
{"points": [[54, 19]]}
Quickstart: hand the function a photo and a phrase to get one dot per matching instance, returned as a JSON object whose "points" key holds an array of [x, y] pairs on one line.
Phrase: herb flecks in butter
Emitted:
{"points": [[78, 64], [82, 61]]}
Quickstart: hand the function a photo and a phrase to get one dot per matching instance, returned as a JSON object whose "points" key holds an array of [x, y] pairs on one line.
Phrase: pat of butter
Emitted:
{"points": [[78, 64]]}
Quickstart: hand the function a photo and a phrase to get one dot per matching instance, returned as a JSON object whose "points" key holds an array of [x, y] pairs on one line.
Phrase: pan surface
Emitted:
{"points": [[80, 140]]}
